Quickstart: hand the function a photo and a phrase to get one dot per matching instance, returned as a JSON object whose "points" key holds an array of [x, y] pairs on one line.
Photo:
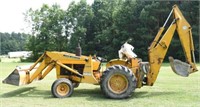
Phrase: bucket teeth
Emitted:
{"points": [[179, 67]]}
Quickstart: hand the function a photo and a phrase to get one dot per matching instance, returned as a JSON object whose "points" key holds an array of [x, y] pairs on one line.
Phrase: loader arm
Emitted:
{"points": [[46, 63], [160, 45], [22, 76]]}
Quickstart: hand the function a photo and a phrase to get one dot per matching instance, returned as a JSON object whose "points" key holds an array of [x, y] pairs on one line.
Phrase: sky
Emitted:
{"points": [[12, 18]]}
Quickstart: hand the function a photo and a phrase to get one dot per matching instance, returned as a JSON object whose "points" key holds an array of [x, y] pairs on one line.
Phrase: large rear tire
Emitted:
{"points": [[118, 82], [62, 88]]}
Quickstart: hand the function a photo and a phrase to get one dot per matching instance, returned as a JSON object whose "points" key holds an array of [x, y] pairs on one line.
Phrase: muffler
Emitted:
{"points": [[179, 67]]}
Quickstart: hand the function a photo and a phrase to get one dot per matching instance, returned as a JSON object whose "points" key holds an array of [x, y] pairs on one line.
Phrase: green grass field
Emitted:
{"points": [[168, 90]]}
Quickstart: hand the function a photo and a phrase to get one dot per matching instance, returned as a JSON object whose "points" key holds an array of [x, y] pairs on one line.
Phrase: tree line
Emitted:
{"points": [[13, 42], [102, 27]]}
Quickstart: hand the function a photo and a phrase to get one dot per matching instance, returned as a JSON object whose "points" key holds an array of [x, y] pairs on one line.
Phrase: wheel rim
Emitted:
{"points": [[62, 89], [118, 83]]}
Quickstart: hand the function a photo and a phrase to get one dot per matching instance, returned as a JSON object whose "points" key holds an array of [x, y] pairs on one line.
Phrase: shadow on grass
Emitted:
{"points": [[93, 93], [146, 94], [97, 95], [89, 94], [26, 92]]}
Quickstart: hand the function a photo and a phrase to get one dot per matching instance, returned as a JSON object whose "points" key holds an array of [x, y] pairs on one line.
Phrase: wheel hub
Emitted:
{"points": [[63, 89], [118, 83]]}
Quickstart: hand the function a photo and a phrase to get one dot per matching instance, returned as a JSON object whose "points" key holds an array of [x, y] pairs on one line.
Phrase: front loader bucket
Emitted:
{"points": [[16, 78], [19, 76], [179, 67]]}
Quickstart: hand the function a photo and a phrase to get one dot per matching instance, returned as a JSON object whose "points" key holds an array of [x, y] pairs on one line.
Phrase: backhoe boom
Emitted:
{"points": [[160, 45]]}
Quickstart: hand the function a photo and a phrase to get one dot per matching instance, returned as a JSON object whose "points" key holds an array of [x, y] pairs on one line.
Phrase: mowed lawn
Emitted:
{"points": [[169, 90]]}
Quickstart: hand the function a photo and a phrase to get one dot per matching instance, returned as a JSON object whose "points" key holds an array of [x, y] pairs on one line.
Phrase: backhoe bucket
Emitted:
{"points": [[18, 76], [179, 67]]}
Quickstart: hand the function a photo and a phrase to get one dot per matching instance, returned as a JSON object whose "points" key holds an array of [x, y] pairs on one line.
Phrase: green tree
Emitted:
{"points": [[140, 21], [104, 31], [48, 27], [101, 28], [12, 42], [79, 17]]}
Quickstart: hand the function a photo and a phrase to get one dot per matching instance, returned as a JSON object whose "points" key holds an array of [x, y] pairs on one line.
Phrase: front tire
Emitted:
{"points": [[62, 88], [118, 82]]}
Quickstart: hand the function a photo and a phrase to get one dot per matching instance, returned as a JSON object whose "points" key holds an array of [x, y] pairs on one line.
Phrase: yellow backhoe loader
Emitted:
{"points": [[121, 76]]}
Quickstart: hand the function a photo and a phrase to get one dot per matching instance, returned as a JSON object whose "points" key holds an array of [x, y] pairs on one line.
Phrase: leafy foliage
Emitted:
{"points": [[101, 28], [48, 29], [12, 42]]}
